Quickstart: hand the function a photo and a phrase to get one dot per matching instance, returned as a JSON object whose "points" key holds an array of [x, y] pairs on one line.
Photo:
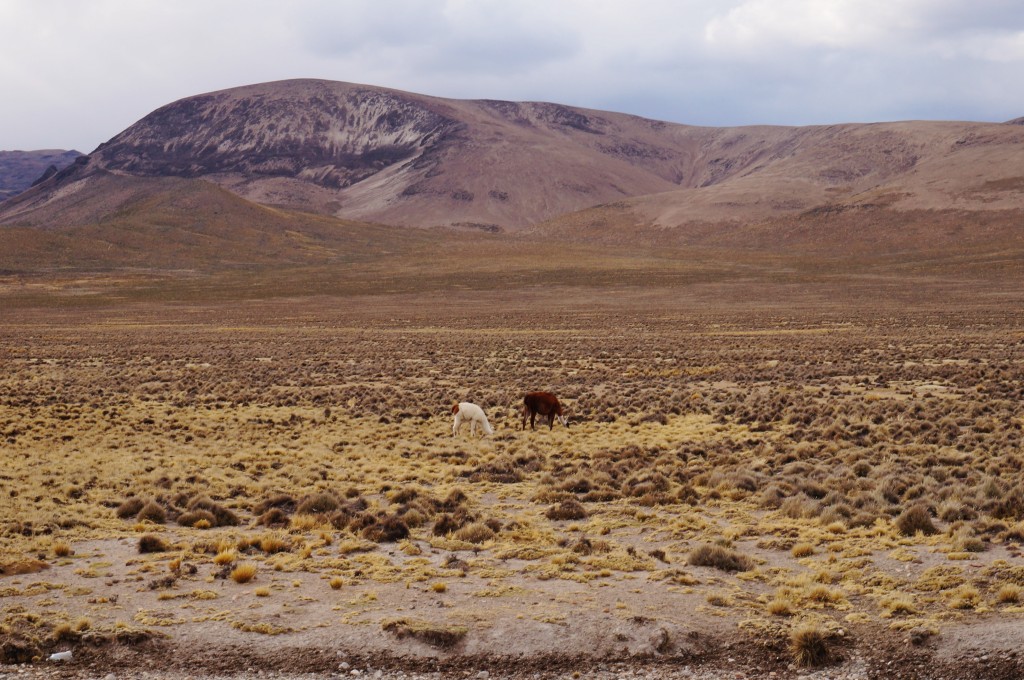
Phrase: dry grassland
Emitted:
{"points": [[285, 472]]}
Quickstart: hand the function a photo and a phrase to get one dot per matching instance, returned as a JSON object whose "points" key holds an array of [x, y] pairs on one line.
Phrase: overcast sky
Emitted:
{"points": [[73, 73]]}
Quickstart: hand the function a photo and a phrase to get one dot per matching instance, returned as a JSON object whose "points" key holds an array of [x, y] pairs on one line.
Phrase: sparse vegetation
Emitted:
{"points": [[855, 470], [809, 645], [719, 557]]}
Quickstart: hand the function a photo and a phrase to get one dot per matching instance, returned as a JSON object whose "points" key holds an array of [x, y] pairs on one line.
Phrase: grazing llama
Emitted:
{"points": [[543, 404], [466, 411]]}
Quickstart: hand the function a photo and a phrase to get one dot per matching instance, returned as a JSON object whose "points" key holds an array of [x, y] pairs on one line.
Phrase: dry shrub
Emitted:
{"points": [[719, 557], [273, 517], [222, 517], [194, 517], [566, 510], [446, 524], [129, 507], [475, 532], [413, 517], [809, 645], [62, 549], [389, 529], [794, 507], [644, 483], [453, 500], [151, 543], [152, 512], [915, 519], [282, 501], [318, 504]]}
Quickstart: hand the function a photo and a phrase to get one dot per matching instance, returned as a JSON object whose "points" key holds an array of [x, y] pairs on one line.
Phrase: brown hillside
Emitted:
{"points": [[375, 154], [113, 221], [237, 177]]}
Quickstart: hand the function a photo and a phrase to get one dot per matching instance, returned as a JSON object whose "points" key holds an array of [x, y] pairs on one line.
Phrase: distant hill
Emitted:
{"points": [[19, 169], [371, 154]]}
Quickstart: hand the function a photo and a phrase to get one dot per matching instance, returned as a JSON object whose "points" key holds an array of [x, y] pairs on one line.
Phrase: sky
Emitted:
{"points": [[74, 73]]}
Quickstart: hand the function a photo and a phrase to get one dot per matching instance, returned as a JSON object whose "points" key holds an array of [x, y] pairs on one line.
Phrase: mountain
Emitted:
{"points": [[373, 154], [20, 169]]}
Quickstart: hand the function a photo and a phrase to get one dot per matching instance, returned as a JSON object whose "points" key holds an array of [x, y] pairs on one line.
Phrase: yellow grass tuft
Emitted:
{"points": [[225, 557], [1009, 593], [243, 573]]}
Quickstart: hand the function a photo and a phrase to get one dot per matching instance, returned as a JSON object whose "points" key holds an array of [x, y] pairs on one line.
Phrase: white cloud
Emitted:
{"points": [[76, 72], [758, 25]]}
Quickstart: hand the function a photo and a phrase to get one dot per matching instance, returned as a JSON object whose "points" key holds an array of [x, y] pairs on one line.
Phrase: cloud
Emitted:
{"points": [[76, 73]]}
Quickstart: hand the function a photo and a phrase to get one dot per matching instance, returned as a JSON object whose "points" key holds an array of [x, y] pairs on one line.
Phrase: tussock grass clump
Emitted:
{"points": [[129, 508], [193, 518], [719, 557], [809, 646], [474, 532], [318, 504], [225, 557], [62, 549], [965, 597], [284, 502], [222, 517], [152, 512], [450, 523], [915, 519], [1009, 593], [151, 543], [781, 606], [802, 550], [274, 543], [274, 517], [566, 510], [897, 604], [243, 573], [388, 529]]}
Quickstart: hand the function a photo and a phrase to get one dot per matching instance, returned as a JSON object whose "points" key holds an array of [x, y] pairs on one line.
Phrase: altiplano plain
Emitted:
{"points": [[792, 361], [273, 483]]}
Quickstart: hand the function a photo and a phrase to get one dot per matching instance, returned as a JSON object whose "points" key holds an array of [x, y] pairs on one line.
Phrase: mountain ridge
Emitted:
{"points": [[377, 155]]}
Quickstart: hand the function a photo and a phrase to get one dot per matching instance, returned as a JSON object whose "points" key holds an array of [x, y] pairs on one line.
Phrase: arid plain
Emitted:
{"points": [[770, 466]]}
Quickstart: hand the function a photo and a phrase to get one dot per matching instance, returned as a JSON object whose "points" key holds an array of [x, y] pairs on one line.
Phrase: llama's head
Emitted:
{"points": [[564, 420]]}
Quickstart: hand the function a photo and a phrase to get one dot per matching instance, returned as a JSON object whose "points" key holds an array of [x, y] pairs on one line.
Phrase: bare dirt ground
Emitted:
{"points": [[745, 490]]}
